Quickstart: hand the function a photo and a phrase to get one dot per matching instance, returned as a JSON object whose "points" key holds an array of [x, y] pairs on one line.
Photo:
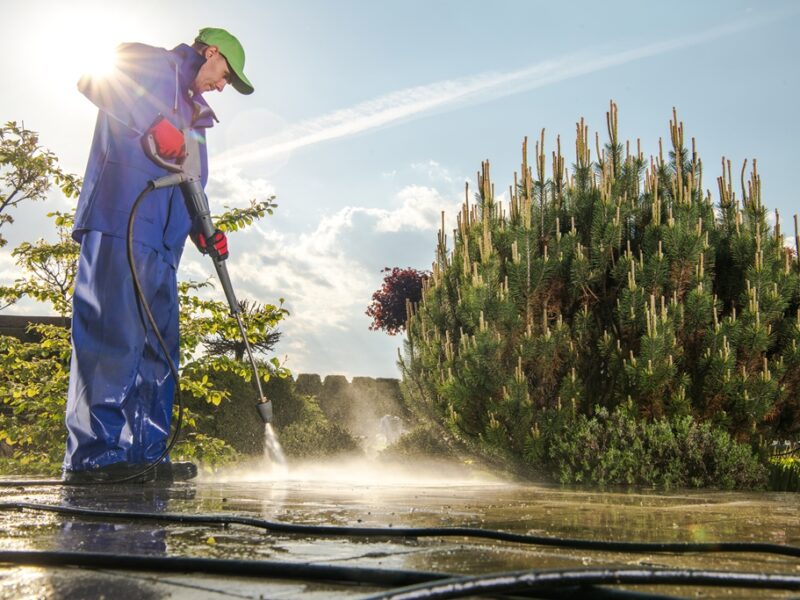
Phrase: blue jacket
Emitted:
{"points": [[147, 82]]}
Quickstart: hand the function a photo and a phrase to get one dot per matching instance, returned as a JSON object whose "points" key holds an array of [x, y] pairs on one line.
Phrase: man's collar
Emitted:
{"points": [[189, 63]]}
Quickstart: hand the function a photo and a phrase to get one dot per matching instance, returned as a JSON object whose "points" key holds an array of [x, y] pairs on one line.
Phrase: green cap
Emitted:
{"points": [[233, 52]]}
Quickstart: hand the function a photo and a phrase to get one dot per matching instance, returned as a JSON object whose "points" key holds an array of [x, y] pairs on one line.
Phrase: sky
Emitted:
{"points": [[369, 117]]}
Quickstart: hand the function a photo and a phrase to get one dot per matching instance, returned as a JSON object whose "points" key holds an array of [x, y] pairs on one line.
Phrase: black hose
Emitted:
{"points": [[577, 583], [416, 532], [532, 580], [143, 305], [249, 568], [279, 570]]}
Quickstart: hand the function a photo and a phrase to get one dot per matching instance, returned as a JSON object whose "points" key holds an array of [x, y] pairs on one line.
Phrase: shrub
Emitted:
{"points": [[422, 441], [400, 288], [784, 474], [618, 448], [312, 435], [618, 279]]}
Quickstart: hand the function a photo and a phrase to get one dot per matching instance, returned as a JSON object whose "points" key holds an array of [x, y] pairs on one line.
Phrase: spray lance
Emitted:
{"points": [[186, 175]]}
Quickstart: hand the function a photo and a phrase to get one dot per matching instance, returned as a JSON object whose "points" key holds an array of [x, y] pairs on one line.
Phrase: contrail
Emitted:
{"points": [[415, 102]]}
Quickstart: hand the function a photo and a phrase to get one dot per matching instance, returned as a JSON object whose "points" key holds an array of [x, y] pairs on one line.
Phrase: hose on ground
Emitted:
{"points": [[418, 585], [416, 532], [532, 580]]}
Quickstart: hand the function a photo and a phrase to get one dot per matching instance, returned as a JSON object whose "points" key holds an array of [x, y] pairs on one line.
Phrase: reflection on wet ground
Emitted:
{"points": [[376, 495]]}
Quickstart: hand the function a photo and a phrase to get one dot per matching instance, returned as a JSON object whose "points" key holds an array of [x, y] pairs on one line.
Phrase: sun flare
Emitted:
{"points": [[75, 41], [96, 61]]}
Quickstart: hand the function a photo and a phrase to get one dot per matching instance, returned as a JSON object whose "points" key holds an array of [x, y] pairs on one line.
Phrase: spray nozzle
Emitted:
{"points": [[265, 410]]}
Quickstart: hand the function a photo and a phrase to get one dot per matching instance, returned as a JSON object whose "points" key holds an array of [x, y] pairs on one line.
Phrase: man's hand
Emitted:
{"points": [[169, 140], [216, 247]]}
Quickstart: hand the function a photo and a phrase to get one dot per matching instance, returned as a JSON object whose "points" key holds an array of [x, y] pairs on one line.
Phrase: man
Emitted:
{"points": [[120, 396]]}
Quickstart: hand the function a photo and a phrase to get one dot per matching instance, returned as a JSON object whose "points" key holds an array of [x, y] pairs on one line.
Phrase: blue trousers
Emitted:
{"points": [[119, 404]]}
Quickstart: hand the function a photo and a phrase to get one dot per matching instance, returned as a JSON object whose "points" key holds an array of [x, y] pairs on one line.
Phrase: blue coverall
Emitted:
{"points": [[120, 396]]}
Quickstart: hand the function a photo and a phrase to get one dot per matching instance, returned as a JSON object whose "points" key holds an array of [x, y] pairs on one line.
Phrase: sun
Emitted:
{"points": [[96, 60], [92, 53], [79, 39]]}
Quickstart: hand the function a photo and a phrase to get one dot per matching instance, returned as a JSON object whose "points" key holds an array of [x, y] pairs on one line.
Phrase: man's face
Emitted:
{"points": [[214, 74]]}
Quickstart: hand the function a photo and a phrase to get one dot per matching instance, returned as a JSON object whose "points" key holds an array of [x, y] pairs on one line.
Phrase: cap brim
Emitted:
{"points": [[239, 82], [241, 86]]}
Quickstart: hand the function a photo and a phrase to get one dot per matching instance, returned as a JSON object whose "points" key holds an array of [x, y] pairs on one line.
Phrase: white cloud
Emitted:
{"points": [[322, 273], [434, 171], [413, 102], [328, 276], [8, 268], [226, 185], [9, 273], [420, 209]]}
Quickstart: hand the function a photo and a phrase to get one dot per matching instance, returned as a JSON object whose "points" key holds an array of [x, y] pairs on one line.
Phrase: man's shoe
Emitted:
{"points": [[175, 471], [114, 473]]}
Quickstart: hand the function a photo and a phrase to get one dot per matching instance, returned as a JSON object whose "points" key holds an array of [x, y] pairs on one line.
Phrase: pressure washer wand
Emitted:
{"points": [[187, 176]]}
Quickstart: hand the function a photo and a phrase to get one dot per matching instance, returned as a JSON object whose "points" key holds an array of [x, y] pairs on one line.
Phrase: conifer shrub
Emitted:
{"points": [[618, 281]]}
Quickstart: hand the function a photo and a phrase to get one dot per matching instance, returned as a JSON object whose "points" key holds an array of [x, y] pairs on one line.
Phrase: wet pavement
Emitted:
{"points": [[372, 495]]}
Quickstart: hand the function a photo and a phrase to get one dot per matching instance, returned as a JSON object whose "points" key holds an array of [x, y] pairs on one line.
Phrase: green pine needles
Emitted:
{"points": [[617, 284]]}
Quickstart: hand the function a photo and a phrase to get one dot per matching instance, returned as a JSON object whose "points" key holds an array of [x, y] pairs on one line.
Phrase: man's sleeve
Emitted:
{"points": [[142, 86]]}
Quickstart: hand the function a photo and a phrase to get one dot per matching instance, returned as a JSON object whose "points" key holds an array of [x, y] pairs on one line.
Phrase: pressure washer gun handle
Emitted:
{"points": [[197, 206]]}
